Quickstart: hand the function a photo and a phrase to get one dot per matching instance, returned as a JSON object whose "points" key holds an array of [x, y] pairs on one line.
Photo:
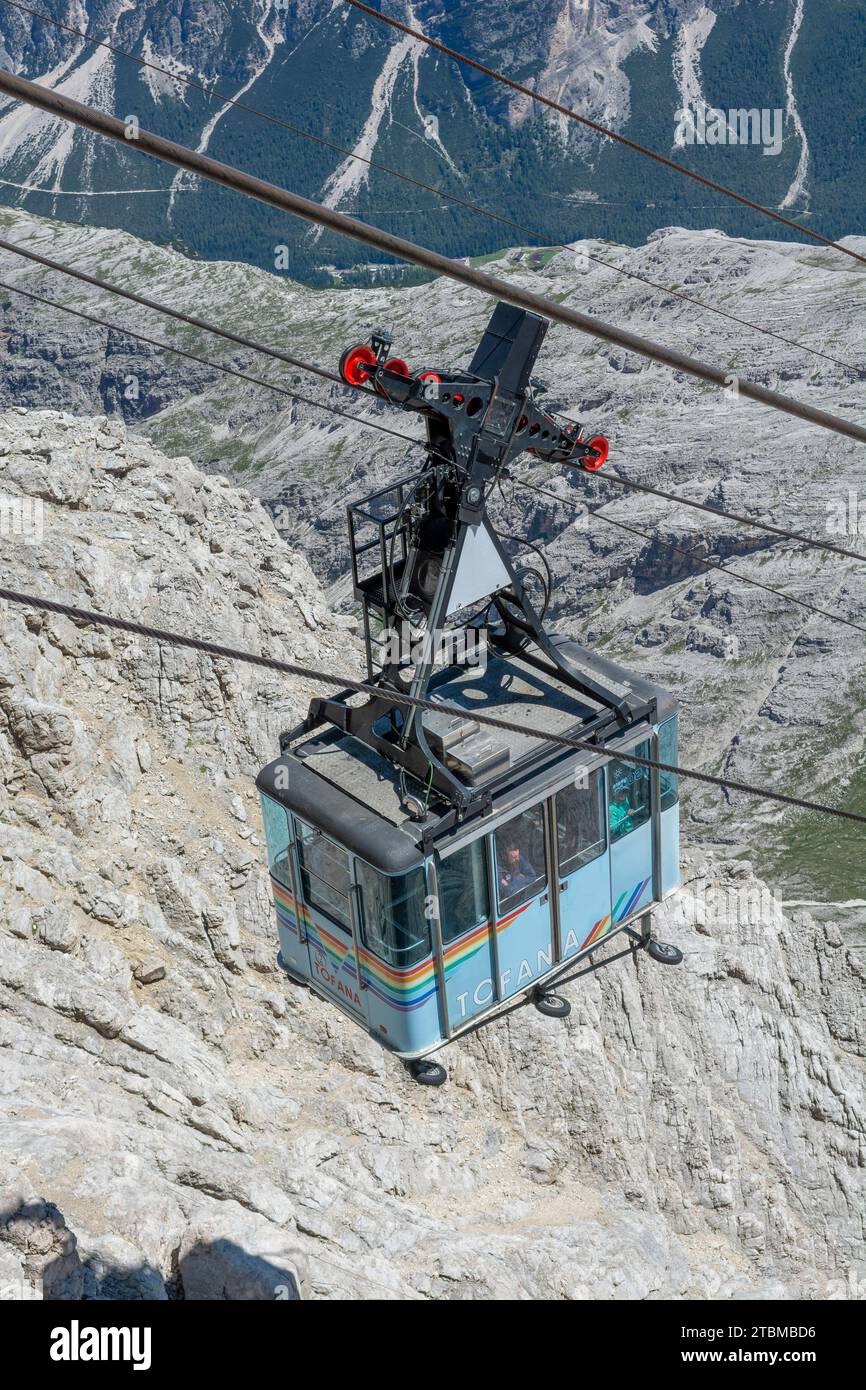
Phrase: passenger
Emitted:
{"points": [[515, 871], [620, 815]]}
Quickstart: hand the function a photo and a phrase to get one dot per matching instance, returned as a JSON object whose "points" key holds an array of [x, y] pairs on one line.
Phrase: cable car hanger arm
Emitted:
{"points": [[452, 557]]}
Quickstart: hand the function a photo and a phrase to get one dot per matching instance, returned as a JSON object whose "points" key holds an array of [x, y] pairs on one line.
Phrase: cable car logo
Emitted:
{"points": [[333, 981], [483, 992]]}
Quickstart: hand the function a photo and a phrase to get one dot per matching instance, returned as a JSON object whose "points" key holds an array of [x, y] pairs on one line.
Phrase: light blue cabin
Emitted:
{"points": [[463, 832], [421, 929]]}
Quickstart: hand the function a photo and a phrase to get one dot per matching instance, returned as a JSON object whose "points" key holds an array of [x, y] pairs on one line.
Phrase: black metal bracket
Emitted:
{"points": [[430, 531]]}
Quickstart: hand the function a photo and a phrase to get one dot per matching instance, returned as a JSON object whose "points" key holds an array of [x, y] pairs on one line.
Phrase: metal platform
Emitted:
{"points": [[511, 688]]}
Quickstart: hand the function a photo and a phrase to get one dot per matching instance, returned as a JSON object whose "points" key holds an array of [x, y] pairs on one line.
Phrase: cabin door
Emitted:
{"points": [[495, 911], [582, 864], [629, 811], [524, 937], [330, 918]]}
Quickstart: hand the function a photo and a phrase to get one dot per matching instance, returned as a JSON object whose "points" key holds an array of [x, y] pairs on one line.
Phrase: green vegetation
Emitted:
{"points": [[802, 854], [525, 172]]}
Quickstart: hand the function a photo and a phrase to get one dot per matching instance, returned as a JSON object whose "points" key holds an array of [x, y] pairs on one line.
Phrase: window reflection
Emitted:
{"points": [[325, 878], [668, 781], [394, 920], [277, 837], [464, 899], [629, 801], [580, 824], [520, 867]]}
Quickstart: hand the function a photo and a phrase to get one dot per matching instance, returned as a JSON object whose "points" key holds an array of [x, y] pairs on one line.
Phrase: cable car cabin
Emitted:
{"points": [[428, 867], [420, 928]]}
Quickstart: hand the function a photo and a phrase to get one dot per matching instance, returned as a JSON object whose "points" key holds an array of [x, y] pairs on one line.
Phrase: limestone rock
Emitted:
{"points": [[696, 1133]]}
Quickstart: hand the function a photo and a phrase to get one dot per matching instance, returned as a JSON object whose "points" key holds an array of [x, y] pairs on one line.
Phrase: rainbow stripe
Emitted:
{"points": [[629, 899], [619, 914], [400, 989], [601, 928], [288, 907], [409, 989]]}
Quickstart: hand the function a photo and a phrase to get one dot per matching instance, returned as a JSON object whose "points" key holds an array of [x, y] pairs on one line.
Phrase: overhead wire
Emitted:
{"points": [[123, 331], [431, 188], [304, 208], [395, 697], [702, 560], [56, 103], [241, 341], [739, 518], [599, 129], [304, 366], [783, 533]]}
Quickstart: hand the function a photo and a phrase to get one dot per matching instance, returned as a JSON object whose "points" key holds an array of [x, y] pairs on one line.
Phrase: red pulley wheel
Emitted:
{"points": [[602, 447], [356, 364], [398, 367]]}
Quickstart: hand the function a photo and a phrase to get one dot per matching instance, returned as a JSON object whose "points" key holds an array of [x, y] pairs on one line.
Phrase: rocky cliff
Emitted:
{"points": [[772, 693], [177, 1121]]}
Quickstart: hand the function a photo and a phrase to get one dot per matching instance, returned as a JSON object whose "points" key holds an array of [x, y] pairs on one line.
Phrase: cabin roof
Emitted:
{"points": [[351, 792]]}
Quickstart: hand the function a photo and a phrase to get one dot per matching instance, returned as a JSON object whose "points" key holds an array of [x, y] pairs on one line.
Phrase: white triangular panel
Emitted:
{"points": [[480, 573]]}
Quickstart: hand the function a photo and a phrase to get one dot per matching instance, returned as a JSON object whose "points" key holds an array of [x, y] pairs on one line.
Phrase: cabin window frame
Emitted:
{"points": [[599, 847], [644, 774], [280, 865], [524, 895], [482, 844], [305, 873], [668, 781], [377, 944]]}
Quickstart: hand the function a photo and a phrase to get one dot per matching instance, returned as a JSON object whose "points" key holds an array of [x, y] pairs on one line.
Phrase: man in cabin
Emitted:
{"points": [[515, 870], [620, 815]]}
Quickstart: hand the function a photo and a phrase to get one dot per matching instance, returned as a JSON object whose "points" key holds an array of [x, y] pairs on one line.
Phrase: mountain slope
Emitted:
{"points": [[177, 1121], [337, 74], [773, 694]]}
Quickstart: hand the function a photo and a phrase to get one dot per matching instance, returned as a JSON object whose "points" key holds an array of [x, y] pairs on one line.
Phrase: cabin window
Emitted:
{"points": [[629, 803], [464, 897], [580, 824], [668, 781], [325, 876], [520, 866], [278, 838], [394, 922]]}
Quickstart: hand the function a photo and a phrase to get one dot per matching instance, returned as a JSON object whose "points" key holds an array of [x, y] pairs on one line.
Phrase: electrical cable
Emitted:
{"points": [[395, 697], [598, 515], [54, 102], [600, 129], [429, 188]]}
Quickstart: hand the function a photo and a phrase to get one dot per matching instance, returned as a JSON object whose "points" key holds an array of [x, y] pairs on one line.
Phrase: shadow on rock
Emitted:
{"points": [[39, 1254]]}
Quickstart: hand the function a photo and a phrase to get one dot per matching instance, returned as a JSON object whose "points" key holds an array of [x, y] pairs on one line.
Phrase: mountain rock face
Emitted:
{"points": [[362, 89], [176, 1120], [773, 692]]}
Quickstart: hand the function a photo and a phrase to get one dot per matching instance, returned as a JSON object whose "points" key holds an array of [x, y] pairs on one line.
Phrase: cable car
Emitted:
{"points": [[430, 870]]}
